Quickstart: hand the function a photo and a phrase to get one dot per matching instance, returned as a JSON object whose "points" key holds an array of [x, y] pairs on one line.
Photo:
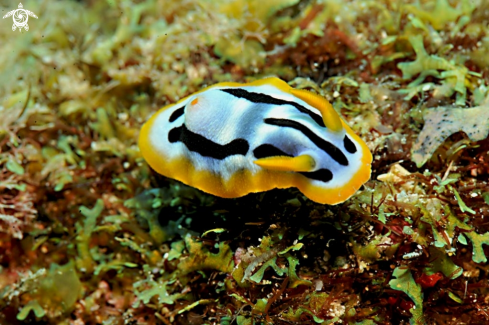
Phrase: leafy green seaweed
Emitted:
{"points": [[85, 262], [478, 240], [200, 258], [404, 282]]}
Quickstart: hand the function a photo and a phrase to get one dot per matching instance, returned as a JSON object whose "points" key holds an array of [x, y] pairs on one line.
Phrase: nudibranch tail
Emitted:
{"points": [[330, 117], [302, 163], [231, 139]]}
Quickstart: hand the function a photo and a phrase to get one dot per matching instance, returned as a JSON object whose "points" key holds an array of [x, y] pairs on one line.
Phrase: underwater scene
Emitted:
{"points": [[244, 162]]}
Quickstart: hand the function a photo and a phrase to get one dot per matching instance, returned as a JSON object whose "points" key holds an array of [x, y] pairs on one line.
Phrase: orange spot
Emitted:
{"points": [[195, 101]]}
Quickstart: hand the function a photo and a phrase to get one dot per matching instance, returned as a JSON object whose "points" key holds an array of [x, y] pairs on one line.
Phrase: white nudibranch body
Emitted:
{"points": [[232, 139]]}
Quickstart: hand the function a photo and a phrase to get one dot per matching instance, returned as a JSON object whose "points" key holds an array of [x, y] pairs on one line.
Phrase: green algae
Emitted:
{"points": [[31, 305], [441, 13], [314, 305], [404, 282], [454, 77], [267, 255], [295, 316], [461, 203], [176, 250], [154, 289], [424, 63], [14, 166], [200, 258], [85, 262], [54, 294], [478, 240], [243, 320], [443, 263]]}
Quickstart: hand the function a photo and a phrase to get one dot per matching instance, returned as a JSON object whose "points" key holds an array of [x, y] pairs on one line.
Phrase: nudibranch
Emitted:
{"points": [[231, 139]]}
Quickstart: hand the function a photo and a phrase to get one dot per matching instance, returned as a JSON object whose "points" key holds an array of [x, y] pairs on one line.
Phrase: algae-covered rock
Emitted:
{"points": [[54, 294]]}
